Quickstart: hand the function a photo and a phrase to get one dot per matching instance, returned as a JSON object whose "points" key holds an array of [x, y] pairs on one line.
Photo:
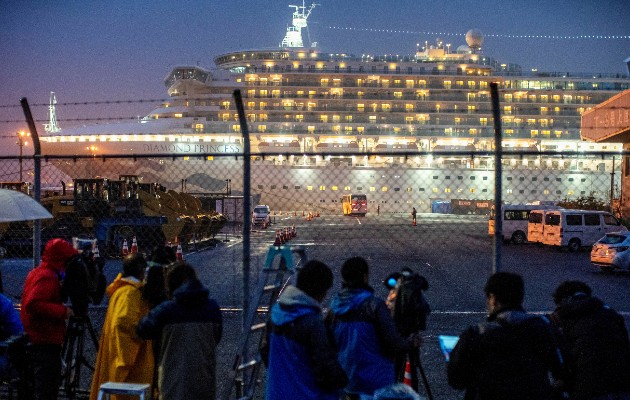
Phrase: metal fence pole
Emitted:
{"points": [[498, 155], [246, 201], [37, 170]]}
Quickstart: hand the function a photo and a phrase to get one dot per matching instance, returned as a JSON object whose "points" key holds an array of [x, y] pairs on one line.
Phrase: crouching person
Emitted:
{"points": [[302, 359], [190, 325]]}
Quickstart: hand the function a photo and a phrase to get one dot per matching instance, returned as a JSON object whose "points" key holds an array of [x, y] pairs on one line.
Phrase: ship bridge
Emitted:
{"points": [[181, 78]]}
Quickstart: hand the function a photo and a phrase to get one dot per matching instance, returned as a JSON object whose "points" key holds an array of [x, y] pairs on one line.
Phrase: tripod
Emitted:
{"points": [[72, 353]]}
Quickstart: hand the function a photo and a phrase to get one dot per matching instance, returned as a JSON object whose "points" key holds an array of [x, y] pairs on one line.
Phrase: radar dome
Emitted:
{"points": [[474, 38]]}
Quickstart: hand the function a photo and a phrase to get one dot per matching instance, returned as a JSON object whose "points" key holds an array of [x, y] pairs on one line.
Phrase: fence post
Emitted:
{"points": [[246, 200], [498, 155], [37, 172]]}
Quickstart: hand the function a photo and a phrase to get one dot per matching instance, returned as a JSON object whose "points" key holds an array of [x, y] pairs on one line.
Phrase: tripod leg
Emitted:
{"points": [[424, 378]]}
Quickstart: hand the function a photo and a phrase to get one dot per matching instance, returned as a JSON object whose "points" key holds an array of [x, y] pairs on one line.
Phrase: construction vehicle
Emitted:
{"points": [[188, 221], [113, 211]]}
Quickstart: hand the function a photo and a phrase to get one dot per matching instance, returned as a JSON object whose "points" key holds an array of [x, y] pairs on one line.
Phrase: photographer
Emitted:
{"points": [[44, 317]]}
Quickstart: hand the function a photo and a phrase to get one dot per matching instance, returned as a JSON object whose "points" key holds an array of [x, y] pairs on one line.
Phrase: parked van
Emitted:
{"points": [[576, 228], [515, 221], [536, 224]]}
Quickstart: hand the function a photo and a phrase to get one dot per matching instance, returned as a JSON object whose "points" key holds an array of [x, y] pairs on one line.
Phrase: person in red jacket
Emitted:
{"points": [[44, 317]]}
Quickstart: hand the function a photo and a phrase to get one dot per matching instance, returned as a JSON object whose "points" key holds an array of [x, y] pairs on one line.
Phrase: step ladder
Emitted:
{"points": [[280, 265]]}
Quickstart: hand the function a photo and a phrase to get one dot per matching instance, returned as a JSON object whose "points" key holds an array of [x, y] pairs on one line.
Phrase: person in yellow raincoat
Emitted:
{"points": [[122, 355]]}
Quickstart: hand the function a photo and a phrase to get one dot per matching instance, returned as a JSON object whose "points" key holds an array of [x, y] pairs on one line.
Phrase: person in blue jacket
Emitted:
{"points": [[302, 359], [10, 325], [364, 333]]}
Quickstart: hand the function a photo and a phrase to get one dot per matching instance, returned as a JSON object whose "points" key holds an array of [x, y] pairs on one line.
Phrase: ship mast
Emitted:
{"points": [[51, 126], [293, 37]]}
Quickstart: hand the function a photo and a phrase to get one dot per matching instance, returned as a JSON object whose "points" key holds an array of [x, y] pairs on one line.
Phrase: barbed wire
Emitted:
{"points": [[493, 35], [98, 102]]}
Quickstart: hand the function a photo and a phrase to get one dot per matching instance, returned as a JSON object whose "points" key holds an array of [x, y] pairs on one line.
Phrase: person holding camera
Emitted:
{"points": [[122, 355], [44, 317]]}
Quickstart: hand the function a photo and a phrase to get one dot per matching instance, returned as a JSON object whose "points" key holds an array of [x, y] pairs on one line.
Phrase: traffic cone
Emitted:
{"points": [[134, 246], [125, 249], [414, 222], [407, 378], [287, 234], [179, 254], [294, 231], [302, 212], [95, 252], [295, 213], [278, 242]]}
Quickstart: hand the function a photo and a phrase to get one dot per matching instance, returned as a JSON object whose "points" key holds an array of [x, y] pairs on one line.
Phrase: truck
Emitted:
{"points": [[261, 216]]}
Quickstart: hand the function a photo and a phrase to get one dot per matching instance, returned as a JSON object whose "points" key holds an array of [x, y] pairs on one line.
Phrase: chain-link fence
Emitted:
{"points": [[197, 202]]}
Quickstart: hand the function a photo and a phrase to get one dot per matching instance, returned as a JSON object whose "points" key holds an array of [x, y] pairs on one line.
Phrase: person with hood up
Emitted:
{"points": [[122, 355], [364, 333], [302, 358], [190, 325], [594, 341], [44, 318]]}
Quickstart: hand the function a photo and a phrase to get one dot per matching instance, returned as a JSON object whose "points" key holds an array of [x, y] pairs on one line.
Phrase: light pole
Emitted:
{"points": [[21, 135]]}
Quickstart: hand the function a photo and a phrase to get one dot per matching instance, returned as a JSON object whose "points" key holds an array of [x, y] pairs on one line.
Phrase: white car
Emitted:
{"points": [[261, 216], [612, 251]]}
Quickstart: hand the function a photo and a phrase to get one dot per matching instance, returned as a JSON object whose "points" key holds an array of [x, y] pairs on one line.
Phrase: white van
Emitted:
{"points": [[515, 221], [577, 228], [536, 224]]}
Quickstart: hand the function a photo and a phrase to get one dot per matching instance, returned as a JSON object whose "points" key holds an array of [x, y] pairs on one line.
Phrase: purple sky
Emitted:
{"points": [[120, 50]]}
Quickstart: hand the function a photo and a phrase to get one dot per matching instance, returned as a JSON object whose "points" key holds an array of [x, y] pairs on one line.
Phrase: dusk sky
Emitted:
{"points": [[122, 50]]}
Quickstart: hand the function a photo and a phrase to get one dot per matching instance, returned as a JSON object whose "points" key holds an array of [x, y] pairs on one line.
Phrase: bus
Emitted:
{"points": [[515, 220], [354, 204]]}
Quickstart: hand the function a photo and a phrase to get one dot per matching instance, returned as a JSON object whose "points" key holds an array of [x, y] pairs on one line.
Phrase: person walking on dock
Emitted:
{"points": [[413, 214]]}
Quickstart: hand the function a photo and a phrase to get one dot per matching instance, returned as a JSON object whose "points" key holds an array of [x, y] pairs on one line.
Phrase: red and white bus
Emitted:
{"points": [[354, 204]]}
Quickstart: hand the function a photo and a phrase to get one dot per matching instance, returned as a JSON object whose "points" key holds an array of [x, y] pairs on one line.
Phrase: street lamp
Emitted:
{"points": [[227, 186], [21, 135]]}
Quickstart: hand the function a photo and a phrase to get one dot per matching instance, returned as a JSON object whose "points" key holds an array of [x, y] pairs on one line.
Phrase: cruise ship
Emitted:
{"points": [[405, 130]]}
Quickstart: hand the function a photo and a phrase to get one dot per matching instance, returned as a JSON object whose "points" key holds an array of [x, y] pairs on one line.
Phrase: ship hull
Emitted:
{"points": [[394, 187]]}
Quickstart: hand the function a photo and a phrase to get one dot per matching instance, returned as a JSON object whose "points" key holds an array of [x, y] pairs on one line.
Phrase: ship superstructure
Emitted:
{"points": [[335, 110]]}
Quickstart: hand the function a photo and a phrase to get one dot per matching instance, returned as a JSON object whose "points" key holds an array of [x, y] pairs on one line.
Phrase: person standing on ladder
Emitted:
{"points": [[413, 214]]}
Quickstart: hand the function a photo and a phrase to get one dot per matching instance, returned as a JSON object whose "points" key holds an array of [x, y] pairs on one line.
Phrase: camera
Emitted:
{"points": [[391, 280], [84, 281]]}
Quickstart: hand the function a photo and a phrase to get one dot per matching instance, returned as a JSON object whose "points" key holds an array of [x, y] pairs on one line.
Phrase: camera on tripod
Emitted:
{"points": [[84, 282], [410, 307]]}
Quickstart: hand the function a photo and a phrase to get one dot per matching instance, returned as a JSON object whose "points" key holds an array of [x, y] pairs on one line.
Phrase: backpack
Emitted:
{"points": [[411, 308]]}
